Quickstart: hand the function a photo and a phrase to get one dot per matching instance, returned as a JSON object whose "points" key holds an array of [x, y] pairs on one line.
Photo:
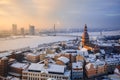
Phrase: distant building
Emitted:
{"points": [[32, 30], [54, 30], [14, 29], [22, 31]]}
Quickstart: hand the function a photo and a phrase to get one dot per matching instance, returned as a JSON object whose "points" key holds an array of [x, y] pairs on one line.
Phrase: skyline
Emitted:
{"points": [[64, 13]]}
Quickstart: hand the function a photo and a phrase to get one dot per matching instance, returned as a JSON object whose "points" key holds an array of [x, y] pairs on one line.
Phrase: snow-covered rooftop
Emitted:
{"points": [[83, 52], [51, 68], [102, 51], [104, 44], [89, 65], [5, 54], [83, 49], [117, 71], [112, 60], [63, 59], [19, 65], [99, 63], [51, 55], [90, 59], [77, 65], [33, 54], [92, 56], [14, 78], [51, 79]]}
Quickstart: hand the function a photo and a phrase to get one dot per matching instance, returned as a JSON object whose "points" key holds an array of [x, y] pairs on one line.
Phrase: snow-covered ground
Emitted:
{"points": [[31, 41]]}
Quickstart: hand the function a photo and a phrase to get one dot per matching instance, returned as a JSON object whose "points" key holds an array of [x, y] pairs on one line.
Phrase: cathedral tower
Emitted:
{"points": [[85, 36]]}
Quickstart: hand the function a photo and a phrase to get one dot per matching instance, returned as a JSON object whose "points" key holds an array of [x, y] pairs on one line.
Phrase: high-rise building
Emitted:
{"points": [[14, 29], [54, 30], [22, 31], [32, 30]]}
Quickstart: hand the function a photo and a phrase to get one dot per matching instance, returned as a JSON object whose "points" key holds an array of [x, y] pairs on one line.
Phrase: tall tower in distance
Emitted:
{"points": [[22, 31], [85, 36], [14, 29], [31, 30], [54, 30]]}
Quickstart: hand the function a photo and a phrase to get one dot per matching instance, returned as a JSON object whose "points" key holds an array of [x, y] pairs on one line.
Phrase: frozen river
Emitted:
{"points": [[31, 41], [34, 41]]}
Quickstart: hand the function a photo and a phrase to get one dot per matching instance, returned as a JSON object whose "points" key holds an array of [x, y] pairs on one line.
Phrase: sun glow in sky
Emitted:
{"points": [[64, 13]]}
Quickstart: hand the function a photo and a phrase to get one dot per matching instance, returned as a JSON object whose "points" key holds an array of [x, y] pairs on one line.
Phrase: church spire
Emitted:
{"points": [[85, 36], [85, 28]]}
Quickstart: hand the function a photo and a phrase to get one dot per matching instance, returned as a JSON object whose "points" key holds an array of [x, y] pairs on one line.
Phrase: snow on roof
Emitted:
{"points": [[4, 58], [63, 59], [102, 51], [117, 71], [114, 77], [112, 60], [92, 56], [54, 46], [77, 65], [86, 59], [33, 54], [105, 44], [97, 54], [89, 64], [51, 79], [70, 44], [90, 59], [70, 51], [15, 78], [67, 73], [83, 49], [73, 54], [5, 54], [116, 56], [19, 65], [51, 68], [18, 52], [99, 63], [51, 55]]}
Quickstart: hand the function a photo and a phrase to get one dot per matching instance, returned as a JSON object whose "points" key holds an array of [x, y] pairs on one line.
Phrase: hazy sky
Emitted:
{"points": [[64, 13]]}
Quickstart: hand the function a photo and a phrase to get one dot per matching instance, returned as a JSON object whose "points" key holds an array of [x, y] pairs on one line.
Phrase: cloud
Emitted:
{"points": [[65, 12]]}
